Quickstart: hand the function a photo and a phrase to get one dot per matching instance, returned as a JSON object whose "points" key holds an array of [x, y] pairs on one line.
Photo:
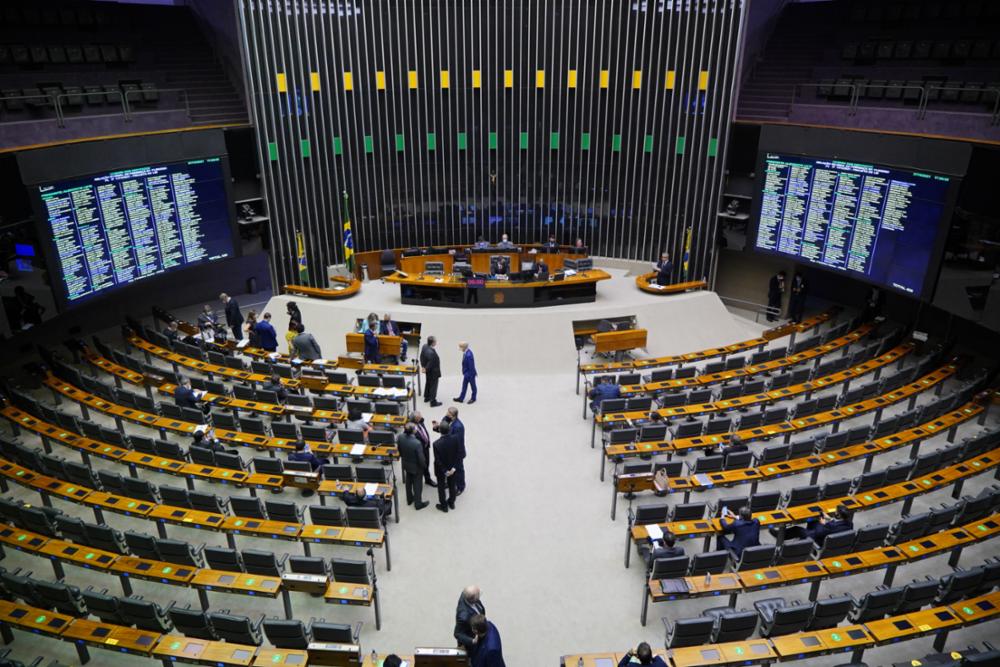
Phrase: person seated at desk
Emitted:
{"points": [[356, 422], [389, 328], [578, 247], [172, 332], [744, 528], [735, 445], [551, 245], [207, 317], [541, 270], [205, 437], [185, 396], [360, 499], [505, 243], [643, 655], [481, 244], [274, 384], [500, 265], [392, 660], [603, 389], [663, 269], [817, 529], [665, 548]]}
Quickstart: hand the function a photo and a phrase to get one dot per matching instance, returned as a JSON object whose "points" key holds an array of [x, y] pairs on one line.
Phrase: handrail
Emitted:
{"points": [[50, 99], [61, 115], [57, 100], [852, 97], [758, 308], [143, 91], [858, 90]]}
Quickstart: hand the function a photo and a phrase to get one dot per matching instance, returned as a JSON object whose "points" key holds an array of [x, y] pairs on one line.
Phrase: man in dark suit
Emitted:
{"points": [[266, 333], [468, 373], [445, 461], [304, 453], [663, 269], [431, 363], [469, 605], [488, 651], [420, 431], [604, 388], [775, 288], [797, 300], [551, 245], [184, 395], [411, 455], [644, 654], [388, 327], [458, 432], [819, 528], [743, 527], [234, 318], [665, 548]]}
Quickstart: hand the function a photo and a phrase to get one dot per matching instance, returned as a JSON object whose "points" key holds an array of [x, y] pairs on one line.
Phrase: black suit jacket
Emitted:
{"points": [[445, 454], [463, 612], [411, 453], [430, 360], [666, 552], [234, 317]]}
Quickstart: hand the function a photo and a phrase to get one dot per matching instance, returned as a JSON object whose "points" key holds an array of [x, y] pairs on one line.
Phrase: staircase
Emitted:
{"points": [[795, 46]]}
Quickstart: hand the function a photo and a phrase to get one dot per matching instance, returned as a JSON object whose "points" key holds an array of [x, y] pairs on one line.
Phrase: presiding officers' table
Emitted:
{"points": [[450, 290]]}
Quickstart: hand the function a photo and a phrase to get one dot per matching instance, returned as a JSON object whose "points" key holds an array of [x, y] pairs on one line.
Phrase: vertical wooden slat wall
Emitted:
{"points": [[444, 120]]}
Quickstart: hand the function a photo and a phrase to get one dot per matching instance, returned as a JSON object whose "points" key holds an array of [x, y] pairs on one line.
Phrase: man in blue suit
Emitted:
{"points": [[487, 652], [266, 333], [825, 525], [744, 528], [457, 429], [603, 389], [184, 395], [468, 373]]}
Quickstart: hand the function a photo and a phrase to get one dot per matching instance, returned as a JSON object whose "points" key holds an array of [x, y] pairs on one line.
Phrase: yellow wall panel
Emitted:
{"points": [[348, 80], [637, 78], [282, 81], [671, 79], [413, 80], [380, 80], [605, 78], [445, 78], [314, 81], [508, 78], [477, 78], [703, 80], [571, 79], [540, 78]]}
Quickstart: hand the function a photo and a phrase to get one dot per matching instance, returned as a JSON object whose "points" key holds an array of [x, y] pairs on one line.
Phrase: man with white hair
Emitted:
{"points": [[468, 373], [234, 318], [469, 605]]}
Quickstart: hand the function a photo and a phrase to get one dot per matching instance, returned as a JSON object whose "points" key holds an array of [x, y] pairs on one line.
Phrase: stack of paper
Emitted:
{"points": [[242, 344], [367, 417], [357, 450], [371, 488], [654, 530]]}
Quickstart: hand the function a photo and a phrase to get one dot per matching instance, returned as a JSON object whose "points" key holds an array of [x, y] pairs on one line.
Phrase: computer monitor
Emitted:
{"points": [[435, 268]]}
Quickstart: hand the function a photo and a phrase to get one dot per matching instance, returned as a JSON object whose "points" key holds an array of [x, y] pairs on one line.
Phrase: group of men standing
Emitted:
{"points": [[415, 446]]}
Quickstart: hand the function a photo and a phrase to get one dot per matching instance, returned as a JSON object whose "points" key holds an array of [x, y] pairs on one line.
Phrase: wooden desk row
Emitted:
{"points": [[929, 381], [647, 283], [120, 639], [231, 526], [340, 288], [747, 400], [685, 484], [164, 424], [192, 471], [902, 491], [275, 410], [734, 348], [203, 579], [746, 581], [803, 645], [319, 385], [748, 371], [619, 341]]}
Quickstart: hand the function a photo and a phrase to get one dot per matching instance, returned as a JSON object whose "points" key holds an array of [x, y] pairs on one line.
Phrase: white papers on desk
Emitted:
{"points": [[296, 361], [704, 480], [338, 288], [389, 392], [358, 450], [366, 417], [321, 362], [439, 280], [569, 272], [242, 344], [654, 531], [198, 393], [371, 488], [201, 428], [274, 356]]}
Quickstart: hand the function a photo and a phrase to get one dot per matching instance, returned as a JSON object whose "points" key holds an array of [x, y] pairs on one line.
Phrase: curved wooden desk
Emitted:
{"points": [[647, 283], [341, 288], [479, 259], [446, 290]]}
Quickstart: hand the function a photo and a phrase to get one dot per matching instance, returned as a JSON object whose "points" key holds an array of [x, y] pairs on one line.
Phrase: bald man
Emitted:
{"points": [[468, 373], [469, 605]]}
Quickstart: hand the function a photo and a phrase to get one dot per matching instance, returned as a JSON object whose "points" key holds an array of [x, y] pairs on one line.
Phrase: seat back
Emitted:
{"points": [[830, 612], [105, 607], [308, 565], [670, 568], [221, 558], [837, 544], [916, 595], [326, 516], [688, 511], [145, 614], [735, 627], [248, 507], [690, 632], [350, 571], [235, 629], [192, 623], [178, 551], [336, 633], [141, 545], [756, 557], [786, 620], [260, 562], [286, 634], [709, 561], [795, 551], [364, 517], [877, 604], [283, 511], [958, 585]]}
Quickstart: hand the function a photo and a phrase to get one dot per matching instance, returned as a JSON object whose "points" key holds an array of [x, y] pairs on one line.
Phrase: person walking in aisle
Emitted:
{"points": [[775, 288], [234, 318], [431, 363], [468, 373]]}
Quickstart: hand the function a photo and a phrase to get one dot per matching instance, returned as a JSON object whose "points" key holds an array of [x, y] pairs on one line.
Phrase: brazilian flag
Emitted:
{"points": [[348, 236], [303, 262]]}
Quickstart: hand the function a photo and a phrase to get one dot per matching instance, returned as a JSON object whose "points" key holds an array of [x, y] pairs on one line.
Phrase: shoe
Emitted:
{"points": [[435, 404], [458, 400], [409, 501], [443, 508], [431, 483], [426, 401], [452, 504], [420, 506], [307, 492], [472, 401], [459, 492]]}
